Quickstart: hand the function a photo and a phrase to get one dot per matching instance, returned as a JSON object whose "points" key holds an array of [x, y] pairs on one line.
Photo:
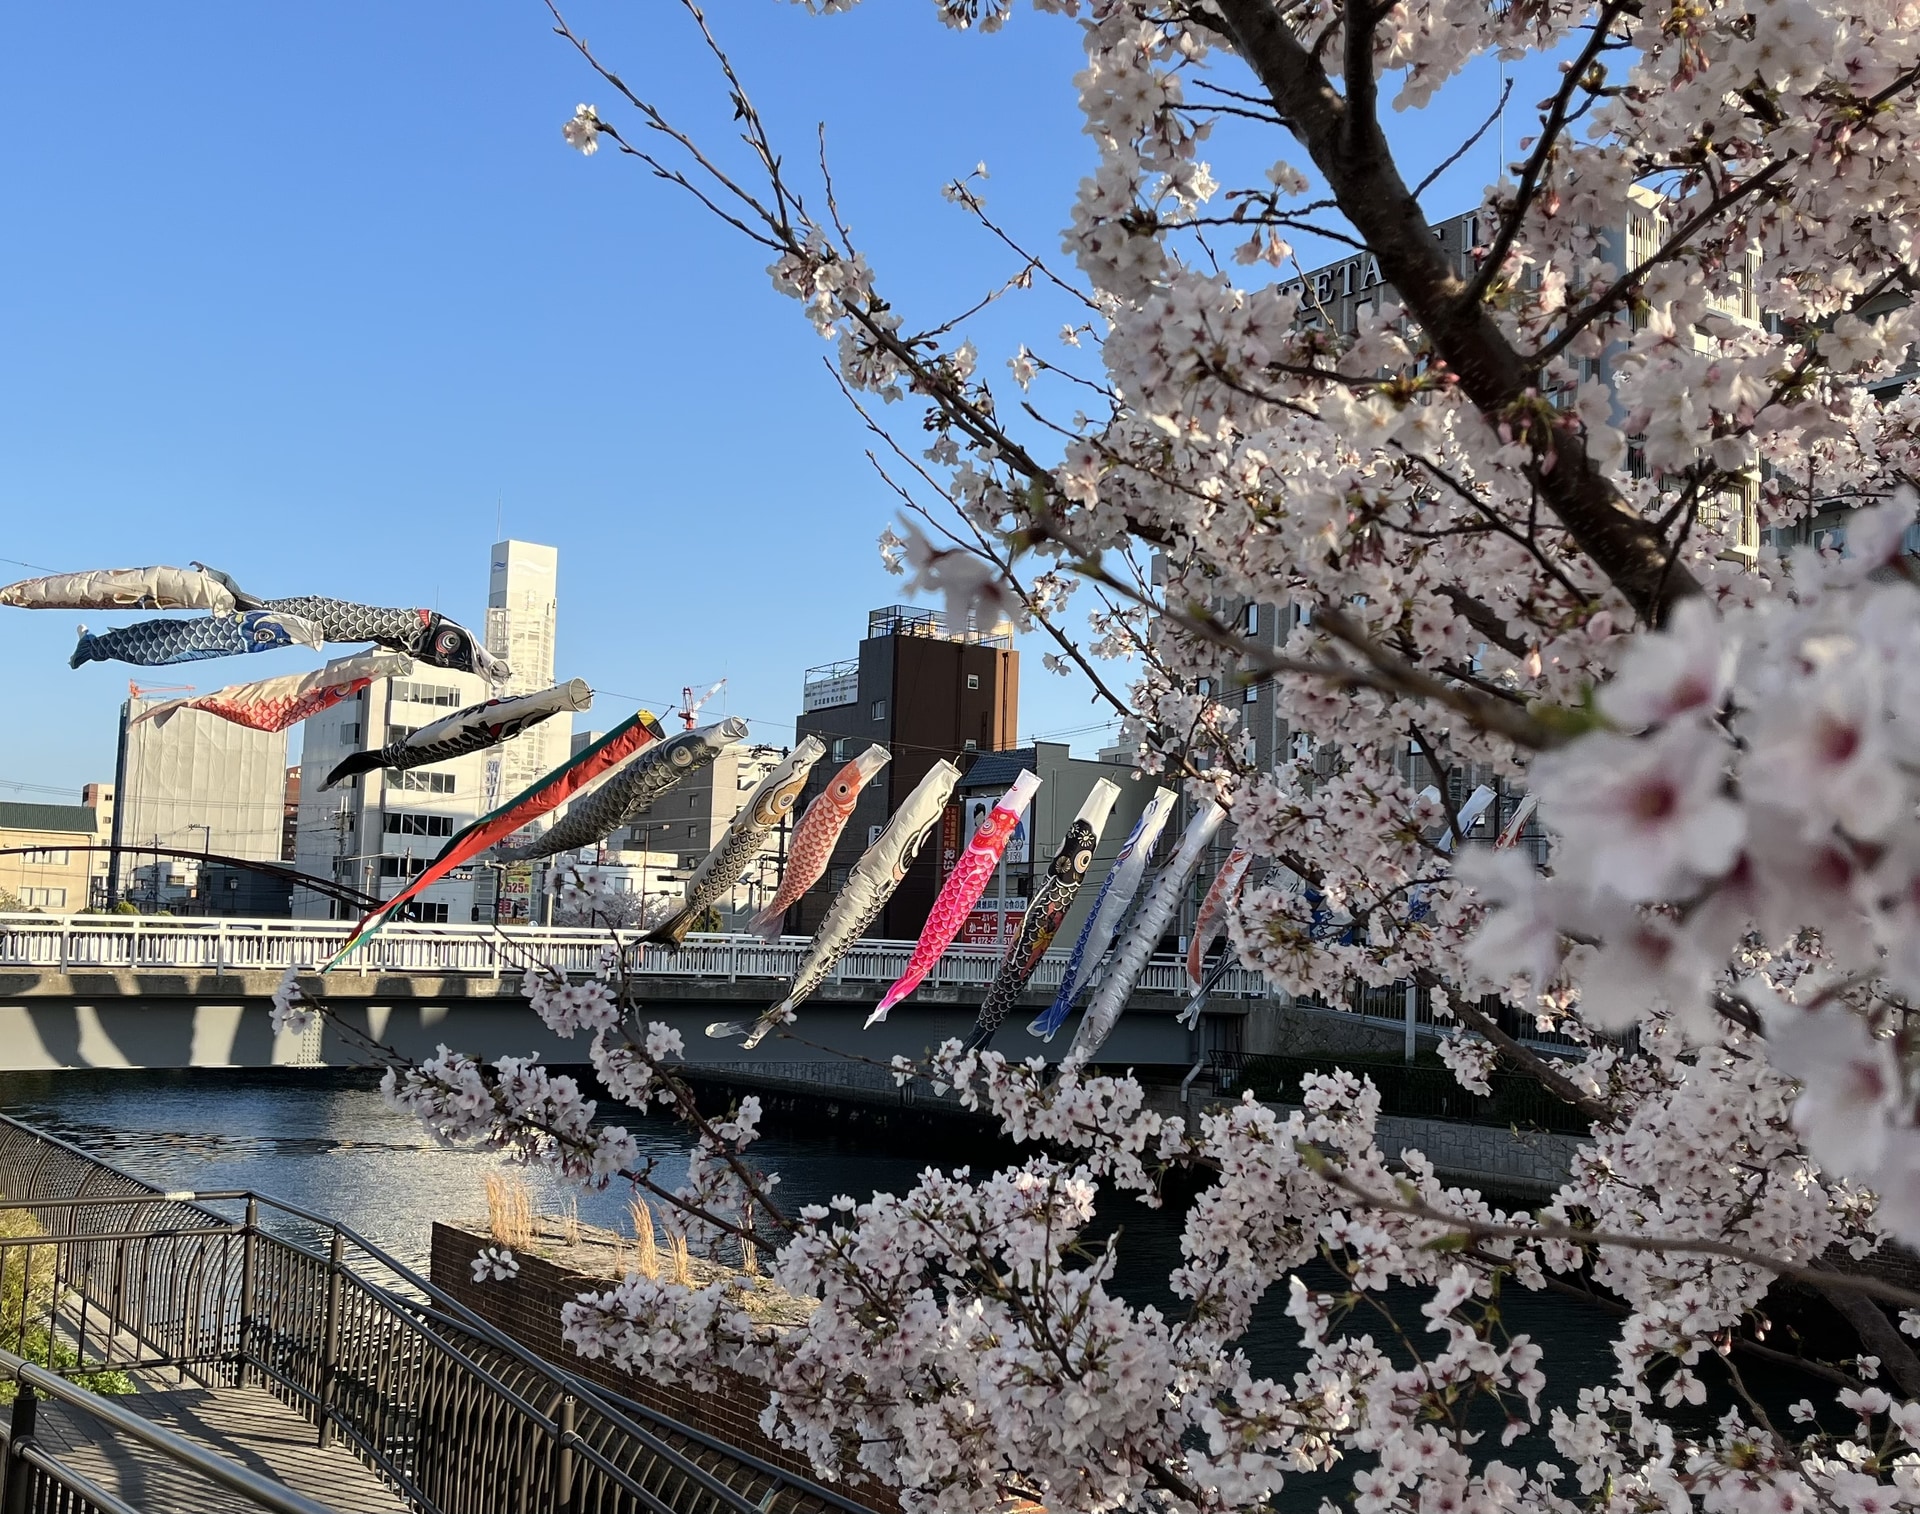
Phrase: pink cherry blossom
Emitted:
{"points": [[1647, 816]]}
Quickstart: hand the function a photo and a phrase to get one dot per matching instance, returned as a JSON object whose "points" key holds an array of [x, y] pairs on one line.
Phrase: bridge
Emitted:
{"points": [[212, 1353], [131, 991]]}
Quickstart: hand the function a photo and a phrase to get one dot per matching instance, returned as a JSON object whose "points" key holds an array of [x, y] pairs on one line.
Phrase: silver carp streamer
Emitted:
{"points": [[1110, 999], [631, 789], [1225, 963], [1116, 893], [195, 588], [874, 878], [770, 803], [473, 729]]}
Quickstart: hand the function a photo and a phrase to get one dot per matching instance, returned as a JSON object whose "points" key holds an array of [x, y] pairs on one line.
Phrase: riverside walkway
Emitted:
{"points": [[173, 1353]]}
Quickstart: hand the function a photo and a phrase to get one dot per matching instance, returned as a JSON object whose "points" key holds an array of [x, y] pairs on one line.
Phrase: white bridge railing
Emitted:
{"points": [[70, 943]]}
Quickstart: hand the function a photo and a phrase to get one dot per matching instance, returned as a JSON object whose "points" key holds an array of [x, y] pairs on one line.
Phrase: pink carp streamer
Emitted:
{"points": [[815, 837], [963, 889], [1212, 919]]}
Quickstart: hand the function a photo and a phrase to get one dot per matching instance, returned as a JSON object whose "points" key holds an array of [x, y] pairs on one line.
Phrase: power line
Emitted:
{"points": [[37, 788]]}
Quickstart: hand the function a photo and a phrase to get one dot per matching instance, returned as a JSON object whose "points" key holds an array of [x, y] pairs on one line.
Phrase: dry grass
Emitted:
{"points": [[510, 1212], [656, 1249], [570, 1221], [646, 1250]]}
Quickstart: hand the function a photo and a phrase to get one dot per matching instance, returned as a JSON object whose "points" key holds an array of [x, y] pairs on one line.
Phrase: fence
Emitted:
{"points": [[68, 943], [457, 1417], [1388, 1005]]}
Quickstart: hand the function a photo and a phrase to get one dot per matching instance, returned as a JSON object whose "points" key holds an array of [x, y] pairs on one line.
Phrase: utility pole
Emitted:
{"points": [[206, 846]]}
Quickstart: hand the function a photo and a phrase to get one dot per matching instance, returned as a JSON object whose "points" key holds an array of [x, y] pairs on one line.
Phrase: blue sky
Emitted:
{"points": [[315, 294]]}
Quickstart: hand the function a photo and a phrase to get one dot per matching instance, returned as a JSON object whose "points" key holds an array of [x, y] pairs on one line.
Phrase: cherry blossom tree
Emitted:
{"points": [[1511, 513]]}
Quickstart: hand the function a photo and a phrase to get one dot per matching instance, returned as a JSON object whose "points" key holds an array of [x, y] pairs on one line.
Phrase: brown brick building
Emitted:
{"points": [[924, 693]]}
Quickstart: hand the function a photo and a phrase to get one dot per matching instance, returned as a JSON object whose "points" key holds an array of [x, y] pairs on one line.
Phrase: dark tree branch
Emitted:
{"points": [[1351, 151]]}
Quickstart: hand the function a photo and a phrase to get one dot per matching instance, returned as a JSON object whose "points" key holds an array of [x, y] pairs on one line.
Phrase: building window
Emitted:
{"points": [[401, 867], [350, 732], [879, 709], [58, 857], [423, 783], [1204, 687], [426, 693], [969, 745], [843, 749], [418, 825], [1252, 695], [873, 833], [44, 898], [837, 878], [426, 912], [973, 680], [1251, 620]]}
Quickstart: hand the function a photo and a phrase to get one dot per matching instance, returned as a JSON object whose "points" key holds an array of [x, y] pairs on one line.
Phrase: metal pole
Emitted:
{"points": [[563, 1462], [249, 1300], [16, 1493], [330, 1361], [1413, 1016]]}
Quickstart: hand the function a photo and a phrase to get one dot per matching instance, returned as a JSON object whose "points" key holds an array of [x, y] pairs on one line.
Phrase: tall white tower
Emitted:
{"points": [[522, 602]]}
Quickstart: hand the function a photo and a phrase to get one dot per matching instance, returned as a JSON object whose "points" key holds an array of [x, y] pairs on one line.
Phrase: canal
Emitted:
{"points": [[327, 1142]]}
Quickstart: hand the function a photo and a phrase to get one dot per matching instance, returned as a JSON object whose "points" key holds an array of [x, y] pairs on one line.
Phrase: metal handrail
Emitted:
{"points": [[444, 1308], [65, 943], [97, 1498], [37, 1380]]}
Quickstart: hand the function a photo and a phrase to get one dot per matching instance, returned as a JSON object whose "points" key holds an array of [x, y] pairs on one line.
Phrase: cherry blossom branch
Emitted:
{"points": [[1470, 1229], [1552, 125], [1384, 672], [1351, 151], [1499, 109]]}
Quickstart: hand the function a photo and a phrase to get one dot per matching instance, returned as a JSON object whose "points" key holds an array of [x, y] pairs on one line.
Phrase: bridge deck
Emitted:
{"points": [[245, 1425]]}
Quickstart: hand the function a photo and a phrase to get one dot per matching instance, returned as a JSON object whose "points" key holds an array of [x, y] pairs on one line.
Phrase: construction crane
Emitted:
{"points": [[689, 706], [147, 691]]}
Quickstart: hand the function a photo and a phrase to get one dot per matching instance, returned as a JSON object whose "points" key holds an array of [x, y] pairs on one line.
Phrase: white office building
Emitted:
{"points": [[377, 830], [522, 603]]}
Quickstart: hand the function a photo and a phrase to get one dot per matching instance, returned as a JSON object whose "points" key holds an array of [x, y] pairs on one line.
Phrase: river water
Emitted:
{"points": [[328, 1143]]}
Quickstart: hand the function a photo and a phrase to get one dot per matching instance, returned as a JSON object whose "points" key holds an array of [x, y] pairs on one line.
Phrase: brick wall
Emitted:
{"points": [[527, 1307]]}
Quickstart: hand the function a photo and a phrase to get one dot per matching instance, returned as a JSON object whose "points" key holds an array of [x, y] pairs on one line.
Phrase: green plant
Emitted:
{"points": [[29, 1309]]}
